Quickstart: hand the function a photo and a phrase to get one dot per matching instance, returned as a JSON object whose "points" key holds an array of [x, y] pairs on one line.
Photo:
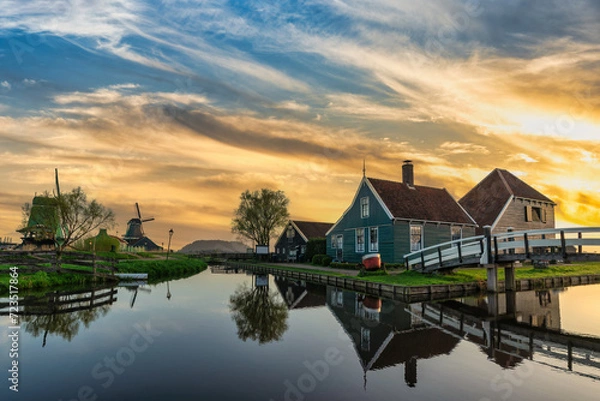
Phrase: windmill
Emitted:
{"points": [[135, 229]]}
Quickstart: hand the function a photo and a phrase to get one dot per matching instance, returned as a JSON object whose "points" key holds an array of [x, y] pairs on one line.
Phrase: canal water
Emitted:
{"points": [[218, 336]]}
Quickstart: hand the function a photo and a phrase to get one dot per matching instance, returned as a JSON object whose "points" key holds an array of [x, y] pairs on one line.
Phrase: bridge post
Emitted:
{"points": [[510, 281], [491, 266]]}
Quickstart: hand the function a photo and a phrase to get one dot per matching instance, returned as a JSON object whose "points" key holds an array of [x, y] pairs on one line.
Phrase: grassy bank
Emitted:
{"points": [[460, 276], [157, 270], [161, 269]]}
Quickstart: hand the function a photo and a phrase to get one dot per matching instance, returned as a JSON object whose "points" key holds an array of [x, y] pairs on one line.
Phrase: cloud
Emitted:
{"points": [[458, 148], [524, 158], [5, 85]]}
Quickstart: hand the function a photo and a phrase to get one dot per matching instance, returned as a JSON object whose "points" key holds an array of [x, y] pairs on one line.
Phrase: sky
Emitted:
{"points": [[182, 105]]}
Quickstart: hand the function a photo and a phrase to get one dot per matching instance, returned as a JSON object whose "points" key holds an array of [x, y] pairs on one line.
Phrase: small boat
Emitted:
{"points": [[372, 261], [132, 276]]}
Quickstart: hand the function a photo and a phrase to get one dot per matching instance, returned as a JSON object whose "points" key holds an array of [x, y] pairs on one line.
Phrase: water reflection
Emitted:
{"points": [[508, 328], [512, 327], [259, 314], [385, 334], [62, 313]]}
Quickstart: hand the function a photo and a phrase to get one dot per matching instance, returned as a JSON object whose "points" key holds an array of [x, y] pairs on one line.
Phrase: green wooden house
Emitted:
{"points": [[395, 218]]}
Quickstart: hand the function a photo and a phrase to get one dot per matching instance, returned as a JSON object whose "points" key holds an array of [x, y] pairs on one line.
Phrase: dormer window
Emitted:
{"points": [[364, 207], [290, 234]]}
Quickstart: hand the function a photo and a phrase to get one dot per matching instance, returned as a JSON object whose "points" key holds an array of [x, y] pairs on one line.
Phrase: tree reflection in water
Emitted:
{"points": [[63, 315], [260, 315]]}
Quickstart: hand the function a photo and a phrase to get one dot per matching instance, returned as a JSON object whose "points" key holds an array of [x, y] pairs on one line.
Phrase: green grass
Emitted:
{"points": [[157, 271], [461, 276], [41, 280]]}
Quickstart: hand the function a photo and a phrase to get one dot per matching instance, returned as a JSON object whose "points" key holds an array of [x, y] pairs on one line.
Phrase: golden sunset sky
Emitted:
{"points": [[182, 105]]}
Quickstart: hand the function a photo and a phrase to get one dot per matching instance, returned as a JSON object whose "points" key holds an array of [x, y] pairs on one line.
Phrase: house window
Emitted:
{"points": [[364, 207], [455, 233], [337, 297], [303, 249], [416, 238], [365, 339], [360, 240], [333, 242], [374, 239], [534, 213], [290, 234]]}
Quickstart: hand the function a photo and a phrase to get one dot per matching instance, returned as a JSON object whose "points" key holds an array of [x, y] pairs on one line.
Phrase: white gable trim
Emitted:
{"points": [[508, 202], [462, 208], [283, 232], [381, 203], [375, 195], [299, 231]]}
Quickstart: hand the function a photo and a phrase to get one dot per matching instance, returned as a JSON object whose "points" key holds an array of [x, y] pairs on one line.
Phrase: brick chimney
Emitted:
{"points": [[408, 173]]}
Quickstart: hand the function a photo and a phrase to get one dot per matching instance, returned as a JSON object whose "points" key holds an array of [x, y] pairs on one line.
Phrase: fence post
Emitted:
{"points": [[580, 247], [487, 231], [526, 243], [491, 267], [563, 244]]}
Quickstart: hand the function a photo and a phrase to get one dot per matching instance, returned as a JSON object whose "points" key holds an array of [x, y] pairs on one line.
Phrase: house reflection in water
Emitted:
{"points": [[535, 309], [385, 334], [299, 294]]}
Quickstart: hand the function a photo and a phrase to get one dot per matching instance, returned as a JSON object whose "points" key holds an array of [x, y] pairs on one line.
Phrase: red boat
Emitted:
{"points": [[372, 261]]}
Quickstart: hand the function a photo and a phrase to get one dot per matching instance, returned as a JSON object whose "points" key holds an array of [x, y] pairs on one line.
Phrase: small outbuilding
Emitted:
{"points": [[507, 203], [291, 244]]}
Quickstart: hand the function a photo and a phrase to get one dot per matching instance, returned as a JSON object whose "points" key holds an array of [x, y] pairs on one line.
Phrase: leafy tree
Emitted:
{"points": [[260, 215], [259, 315], [80, 217], [68, 217]]}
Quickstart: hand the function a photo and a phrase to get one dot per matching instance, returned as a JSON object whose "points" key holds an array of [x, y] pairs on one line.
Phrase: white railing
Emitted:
{"points": [[517, 245]]}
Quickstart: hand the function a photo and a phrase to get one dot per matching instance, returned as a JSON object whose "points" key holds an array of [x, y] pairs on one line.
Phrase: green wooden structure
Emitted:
{"points": [[395, 218]]}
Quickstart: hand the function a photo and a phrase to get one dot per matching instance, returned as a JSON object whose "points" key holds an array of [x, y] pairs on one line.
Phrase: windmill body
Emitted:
{"points": [[135, 235]]}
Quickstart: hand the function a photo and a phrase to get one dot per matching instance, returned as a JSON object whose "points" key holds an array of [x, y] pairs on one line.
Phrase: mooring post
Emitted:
{"points": [[510, 281], [491, 267]]}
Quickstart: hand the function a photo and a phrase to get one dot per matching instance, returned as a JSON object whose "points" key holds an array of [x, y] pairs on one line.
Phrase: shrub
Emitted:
{"points": [[379, 272], [315, 246], [318, 259], [343, 265], [326, 261]]}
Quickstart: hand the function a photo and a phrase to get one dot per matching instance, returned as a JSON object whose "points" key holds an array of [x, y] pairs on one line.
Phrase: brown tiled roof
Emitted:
{"points": [[419, 202], [487, 199], [312, 229]]}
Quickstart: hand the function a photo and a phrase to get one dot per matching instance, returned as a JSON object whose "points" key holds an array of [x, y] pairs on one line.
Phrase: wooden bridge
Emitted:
{"points": [[566, 244]]}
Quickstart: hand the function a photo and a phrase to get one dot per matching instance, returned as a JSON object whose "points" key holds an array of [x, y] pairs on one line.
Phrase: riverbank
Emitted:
{"points": [[414, 285], [158, 270]]}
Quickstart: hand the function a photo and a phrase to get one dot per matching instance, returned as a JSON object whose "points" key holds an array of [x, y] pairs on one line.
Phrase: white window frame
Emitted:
{"points": [[333, 241], [373, 246], [420, 227], [359, 248], [364, 207]]}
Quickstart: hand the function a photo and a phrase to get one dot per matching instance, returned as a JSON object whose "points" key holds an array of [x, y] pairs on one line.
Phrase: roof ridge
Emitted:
{"points": [[508, 187]]}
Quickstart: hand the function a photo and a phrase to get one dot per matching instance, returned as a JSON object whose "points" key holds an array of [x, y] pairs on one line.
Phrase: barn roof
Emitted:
{"points": [[420, 202], [312, 229], [487, 199]]}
